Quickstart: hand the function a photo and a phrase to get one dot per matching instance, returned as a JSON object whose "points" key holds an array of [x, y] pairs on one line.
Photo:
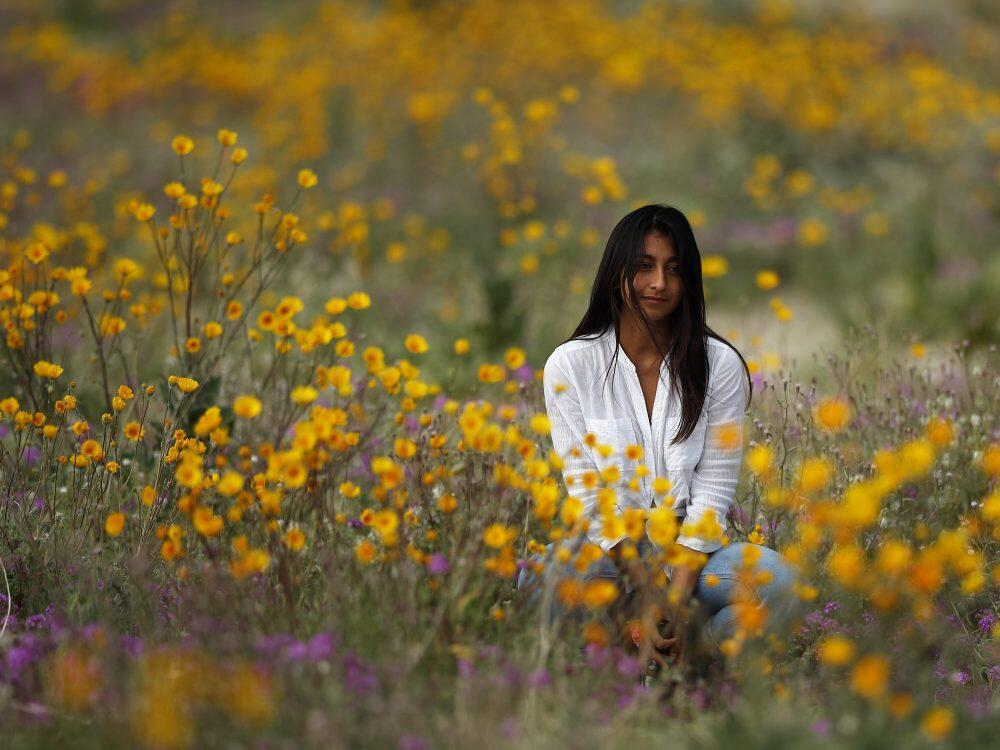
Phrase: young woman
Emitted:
{"points": [[643, 368]]}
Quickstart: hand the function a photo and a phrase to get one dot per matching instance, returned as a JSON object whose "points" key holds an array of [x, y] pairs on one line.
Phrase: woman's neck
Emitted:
{"points": [[636, 342]]}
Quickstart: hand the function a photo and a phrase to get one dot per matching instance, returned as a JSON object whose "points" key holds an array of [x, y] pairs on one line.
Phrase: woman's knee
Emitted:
{"points": [[778, 592], [526, 576], [772, 576]]}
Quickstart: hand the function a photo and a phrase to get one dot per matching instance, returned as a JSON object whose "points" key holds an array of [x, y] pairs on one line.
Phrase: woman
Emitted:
{"points": [[679, 392]]}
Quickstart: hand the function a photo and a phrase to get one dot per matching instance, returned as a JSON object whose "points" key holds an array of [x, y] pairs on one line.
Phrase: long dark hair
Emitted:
{"points": [[687, 353]]}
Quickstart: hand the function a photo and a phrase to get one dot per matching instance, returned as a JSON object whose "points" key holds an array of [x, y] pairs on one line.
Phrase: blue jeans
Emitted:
{"points": [[717, 602]]}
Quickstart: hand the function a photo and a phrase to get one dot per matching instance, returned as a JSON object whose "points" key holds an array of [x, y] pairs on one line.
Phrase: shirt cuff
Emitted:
{"points": [[604, 543], [698, 544]]}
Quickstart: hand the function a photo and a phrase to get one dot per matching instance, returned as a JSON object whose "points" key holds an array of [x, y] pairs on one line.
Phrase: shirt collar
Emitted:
{"points": [[608, 337]]}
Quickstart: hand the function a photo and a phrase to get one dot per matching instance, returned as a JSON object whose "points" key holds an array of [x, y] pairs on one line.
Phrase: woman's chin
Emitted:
{"points": [[656, 312]]}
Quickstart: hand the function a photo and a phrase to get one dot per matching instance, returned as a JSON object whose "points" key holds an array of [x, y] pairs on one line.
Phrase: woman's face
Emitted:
{"points": [[657, 280]]}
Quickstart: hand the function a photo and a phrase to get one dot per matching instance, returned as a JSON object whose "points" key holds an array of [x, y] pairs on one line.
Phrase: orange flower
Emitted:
{"points": [[365, 551], [92, 450], [940, 432], [833, 413], [836, 651], [114, 524], [870, 676]]}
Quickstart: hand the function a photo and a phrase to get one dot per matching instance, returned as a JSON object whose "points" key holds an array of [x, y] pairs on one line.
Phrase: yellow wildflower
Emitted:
{"points": [[36, 252], [497, 535], [304, 394], [144, 212], [206, 522], [187, 385], [358, 301], [294, 539], [45, 369], [416, 344], [307, 179], [182, 145], [246, 407], [767, 279]]}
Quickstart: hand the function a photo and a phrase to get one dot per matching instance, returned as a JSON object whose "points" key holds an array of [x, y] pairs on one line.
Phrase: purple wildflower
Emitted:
{"points": [[512, 676], [411, 742], [987, 620], [130, 645], [358, 677], [961, 677], [700, 698], [509, 728], [821, 728], [939, 669], [628, 666], [540, 678], [525, 373], [466, 668], [437, 564], [321, 647], [597, 656]]}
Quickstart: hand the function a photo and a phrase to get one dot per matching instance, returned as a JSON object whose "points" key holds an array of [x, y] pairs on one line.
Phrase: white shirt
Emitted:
{"points": [[703, 475]]}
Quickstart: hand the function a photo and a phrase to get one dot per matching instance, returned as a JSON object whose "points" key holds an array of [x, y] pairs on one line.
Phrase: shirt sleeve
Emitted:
{"points": [[565, 412], [714, 479]]}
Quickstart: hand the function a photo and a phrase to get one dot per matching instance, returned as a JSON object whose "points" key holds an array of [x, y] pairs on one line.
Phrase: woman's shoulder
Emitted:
{"points": [[726, 369], [573, 355], [722, 357]]}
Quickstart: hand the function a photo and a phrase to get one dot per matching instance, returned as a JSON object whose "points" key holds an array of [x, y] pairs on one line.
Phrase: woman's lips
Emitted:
{"points": [[657, 300]]}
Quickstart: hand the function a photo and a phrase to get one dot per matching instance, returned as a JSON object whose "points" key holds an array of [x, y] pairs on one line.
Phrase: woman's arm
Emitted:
{"points": [[713, 483], [566, 421]]}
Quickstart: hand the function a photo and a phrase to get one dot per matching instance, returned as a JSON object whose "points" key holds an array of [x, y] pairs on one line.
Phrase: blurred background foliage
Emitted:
{"points": [[474, 156]]}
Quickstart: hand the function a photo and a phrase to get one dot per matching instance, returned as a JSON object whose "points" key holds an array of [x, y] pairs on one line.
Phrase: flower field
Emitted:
{"points": [[277, 283]]}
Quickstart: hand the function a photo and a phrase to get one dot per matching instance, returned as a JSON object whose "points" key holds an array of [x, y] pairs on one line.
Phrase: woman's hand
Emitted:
{"points": [[674, 632], [654, 646], [661, 631], [679, 612]]}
